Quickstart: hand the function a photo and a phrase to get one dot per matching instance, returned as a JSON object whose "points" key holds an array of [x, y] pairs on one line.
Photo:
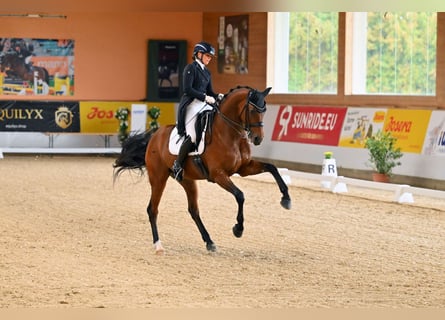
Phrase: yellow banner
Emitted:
{"points": [[167, 115], [409, 127], [99, 116]]}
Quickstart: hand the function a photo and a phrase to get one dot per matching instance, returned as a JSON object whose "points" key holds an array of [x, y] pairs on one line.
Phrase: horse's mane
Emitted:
{"points": [[234, 89], [237, 88], [252, 98]]}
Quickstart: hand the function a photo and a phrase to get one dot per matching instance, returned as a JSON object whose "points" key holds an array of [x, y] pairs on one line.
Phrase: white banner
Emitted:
{"points": [[138, 118]]}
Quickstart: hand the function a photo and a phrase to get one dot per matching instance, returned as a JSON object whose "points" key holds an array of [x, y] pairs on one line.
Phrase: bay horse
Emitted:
{"points": [[237, 122], [15, 67]]}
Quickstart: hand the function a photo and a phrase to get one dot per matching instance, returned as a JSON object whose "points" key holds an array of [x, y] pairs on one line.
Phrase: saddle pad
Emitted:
{"points": [[193, 109]]}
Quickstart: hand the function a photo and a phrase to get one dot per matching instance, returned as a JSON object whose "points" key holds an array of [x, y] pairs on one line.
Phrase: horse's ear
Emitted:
{"points": [[266, 92]]}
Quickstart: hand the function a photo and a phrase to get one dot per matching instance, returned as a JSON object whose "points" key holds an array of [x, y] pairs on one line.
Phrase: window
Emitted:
{"points": [[305, 52], [390, 53], [393, 53]]}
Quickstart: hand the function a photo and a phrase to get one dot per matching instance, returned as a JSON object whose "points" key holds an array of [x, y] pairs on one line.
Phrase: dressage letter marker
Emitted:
{"points": [[329, 169]]}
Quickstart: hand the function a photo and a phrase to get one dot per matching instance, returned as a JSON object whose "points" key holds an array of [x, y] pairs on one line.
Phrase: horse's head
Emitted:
{"points": [[254, 114], [249, 113]]}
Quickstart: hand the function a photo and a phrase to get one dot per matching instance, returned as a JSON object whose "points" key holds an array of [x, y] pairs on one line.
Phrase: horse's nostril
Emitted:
{"points": [[257, 141]]}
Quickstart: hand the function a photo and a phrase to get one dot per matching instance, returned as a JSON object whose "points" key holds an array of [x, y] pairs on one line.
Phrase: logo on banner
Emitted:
{"points": [[309, 124], [63, 117], [21, 114]]}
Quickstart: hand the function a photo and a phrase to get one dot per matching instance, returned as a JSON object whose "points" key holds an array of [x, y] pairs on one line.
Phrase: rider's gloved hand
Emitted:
{"points": [[210, 99]]}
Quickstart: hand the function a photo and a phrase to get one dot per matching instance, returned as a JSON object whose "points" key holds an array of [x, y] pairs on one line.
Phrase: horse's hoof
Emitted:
{"points": [[285, 203], [211, 247], [159, 249], [237, 231]]}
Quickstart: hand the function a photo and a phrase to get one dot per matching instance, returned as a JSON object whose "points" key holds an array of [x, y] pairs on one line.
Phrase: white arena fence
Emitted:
{"points": [[83, 150], [402, 193], [337, 184]]}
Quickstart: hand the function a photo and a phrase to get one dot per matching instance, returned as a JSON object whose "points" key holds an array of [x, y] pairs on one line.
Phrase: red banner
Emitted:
{"points": [[309, 124]]}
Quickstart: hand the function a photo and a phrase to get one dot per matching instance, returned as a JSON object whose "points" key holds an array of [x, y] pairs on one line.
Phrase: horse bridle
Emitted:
{"points": [[257, 108], [240, 127]]}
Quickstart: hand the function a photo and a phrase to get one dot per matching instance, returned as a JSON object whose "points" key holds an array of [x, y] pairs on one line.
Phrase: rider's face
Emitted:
{"points": [[205, 58]]}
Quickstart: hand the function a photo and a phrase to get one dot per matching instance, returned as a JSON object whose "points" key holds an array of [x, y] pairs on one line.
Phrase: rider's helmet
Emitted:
{"points": [[203, 47]]}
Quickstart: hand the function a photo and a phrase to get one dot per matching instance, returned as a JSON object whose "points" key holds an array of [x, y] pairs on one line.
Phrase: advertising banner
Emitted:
{"points": [[167, 112], [36, 67], [309, 124], [138, 117], [39, 116], [409, 127], [434, 143], [99, 116], [359, 124]]}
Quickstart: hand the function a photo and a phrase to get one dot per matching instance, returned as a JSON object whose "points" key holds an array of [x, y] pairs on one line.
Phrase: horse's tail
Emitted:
{"points": [[132, 156]]}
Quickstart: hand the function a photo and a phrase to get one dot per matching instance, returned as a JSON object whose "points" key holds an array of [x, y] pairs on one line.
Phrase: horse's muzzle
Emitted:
{"points": [[257, 140]]}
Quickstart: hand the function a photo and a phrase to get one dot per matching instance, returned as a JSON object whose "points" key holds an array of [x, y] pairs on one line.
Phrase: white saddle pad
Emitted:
{"points": [[193, 109]]}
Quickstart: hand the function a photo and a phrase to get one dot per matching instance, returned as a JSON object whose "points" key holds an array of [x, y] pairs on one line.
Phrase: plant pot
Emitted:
{"points": [[380, 177]]}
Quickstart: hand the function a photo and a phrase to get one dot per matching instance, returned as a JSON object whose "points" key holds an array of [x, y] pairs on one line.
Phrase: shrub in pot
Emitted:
{"points": [[383, 154]]}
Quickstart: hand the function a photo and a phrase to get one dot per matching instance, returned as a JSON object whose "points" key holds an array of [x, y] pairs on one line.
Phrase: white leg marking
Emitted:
{"points": [[158, 247]]}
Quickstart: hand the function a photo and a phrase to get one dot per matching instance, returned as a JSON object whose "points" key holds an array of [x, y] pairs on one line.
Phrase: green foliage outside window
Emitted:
{"points": [[313, 52], [401, 53]]}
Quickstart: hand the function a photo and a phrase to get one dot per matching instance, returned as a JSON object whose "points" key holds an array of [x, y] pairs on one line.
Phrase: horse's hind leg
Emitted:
{"points": [[191, 189], [157, 188], [152, 216]]}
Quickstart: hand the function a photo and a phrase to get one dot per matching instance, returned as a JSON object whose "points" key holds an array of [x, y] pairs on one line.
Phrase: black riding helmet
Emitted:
{"points": [[203, 47]]}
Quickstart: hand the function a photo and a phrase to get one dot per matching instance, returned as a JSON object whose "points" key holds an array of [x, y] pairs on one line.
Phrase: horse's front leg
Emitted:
{"points": [[285, 199], [191, 190], [226, 183], [256, 167]]}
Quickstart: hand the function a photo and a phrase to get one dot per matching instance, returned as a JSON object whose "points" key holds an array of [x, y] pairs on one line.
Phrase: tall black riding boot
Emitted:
{"points": [[182, 155]]}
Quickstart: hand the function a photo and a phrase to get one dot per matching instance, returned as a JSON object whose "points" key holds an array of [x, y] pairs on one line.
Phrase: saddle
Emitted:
{"points": [[198, 124]]}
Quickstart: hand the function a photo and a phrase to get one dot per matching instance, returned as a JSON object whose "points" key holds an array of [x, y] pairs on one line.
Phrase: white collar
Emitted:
{"points": [[200, 64]]}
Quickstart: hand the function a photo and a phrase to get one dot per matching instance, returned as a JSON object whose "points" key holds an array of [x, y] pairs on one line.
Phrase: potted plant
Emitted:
{"points": [[154, 114], [383, 155], [122, 115]]}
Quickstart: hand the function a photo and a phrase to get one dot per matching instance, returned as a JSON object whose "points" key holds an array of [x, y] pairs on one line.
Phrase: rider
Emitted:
{"points": [[25, 52], [197, 82]]}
